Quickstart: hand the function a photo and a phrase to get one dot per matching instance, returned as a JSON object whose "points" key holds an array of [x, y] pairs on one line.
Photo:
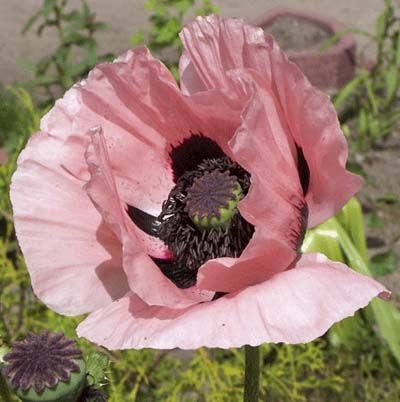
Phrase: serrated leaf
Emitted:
{"points": [[384, 264]]}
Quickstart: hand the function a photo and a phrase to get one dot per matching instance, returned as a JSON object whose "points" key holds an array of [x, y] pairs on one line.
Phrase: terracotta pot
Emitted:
{"points": [[330, 68]]}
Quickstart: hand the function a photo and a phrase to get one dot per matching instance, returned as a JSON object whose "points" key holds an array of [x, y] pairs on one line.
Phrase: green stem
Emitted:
{"points": [[252, 374], [4, 391]]}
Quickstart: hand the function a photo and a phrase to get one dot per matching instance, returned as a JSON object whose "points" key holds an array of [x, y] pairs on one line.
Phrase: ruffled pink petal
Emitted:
{"points": [[144, 276], [315, 128], [215, 45], [294, 306], [112, 100], [65, 243], [274, 204], [101, 187]]}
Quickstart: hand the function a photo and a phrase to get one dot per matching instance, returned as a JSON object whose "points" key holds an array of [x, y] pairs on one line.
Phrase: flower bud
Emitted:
{"points": [[45, 367]]}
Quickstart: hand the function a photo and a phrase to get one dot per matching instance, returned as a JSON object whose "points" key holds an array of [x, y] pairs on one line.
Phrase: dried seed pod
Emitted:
{"points": [[45, 367]]}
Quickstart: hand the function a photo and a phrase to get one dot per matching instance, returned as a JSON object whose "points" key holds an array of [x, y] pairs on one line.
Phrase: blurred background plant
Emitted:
{"points": [[76, 53], [369, 103], [166, 21], [357, 360]]}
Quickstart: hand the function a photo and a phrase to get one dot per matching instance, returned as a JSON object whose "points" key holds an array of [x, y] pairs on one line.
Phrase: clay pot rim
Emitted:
{"points": [[329, 24]]}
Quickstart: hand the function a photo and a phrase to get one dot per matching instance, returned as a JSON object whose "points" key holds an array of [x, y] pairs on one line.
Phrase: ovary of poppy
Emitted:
{"points": [[106, 196]]}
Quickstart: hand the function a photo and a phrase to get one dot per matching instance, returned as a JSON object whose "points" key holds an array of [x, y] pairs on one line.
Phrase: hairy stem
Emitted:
{"points": [[252, 374]]}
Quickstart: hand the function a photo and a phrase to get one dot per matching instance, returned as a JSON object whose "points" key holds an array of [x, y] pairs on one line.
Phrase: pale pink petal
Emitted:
{"points": [[315, 128], [144, 276], [131, 135], [294, 306], [146, 280], [101, 187], [274, 204], [216, 45], [143, 115], [73, 258], [190, 82]]}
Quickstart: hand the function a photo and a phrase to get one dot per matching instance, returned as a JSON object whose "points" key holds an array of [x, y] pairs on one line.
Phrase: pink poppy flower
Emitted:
{"points": [[175, 216]]}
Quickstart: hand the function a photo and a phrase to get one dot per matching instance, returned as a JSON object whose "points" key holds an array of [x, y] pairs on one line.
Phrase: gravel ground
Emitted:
{"points": [[126, 16]]}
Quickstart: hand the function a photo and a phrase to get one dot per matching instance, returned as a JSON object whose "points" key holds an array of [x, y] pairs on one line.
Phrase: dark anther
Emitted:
{"points": [[191, 223], [193, 247], [144, 221], [303, 169], [191, 152]]}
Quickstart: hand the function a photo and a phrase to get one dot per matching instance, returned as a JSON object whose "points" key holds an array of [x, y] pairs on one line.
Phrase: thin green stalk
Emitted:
{"points": [[4, 391], [252, 374]]}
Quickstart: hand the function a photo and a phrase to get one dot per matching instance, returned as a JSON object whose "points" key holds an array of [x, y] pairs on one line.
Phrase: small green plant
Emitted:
{"points": [[76, 29], [166, 21], [372, 96], [17, 112]]}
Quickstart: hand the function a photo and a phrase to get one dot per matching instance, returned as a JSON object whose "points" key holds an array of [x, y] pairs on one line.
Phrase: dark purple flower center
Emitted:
{"points": [[212, 199], [199, 220], [193, 244]]}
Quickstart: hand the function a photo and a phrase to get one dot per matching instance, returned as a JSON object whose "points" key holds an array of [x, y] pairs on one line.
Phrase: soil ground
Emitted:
{"points": [[382, 165]]}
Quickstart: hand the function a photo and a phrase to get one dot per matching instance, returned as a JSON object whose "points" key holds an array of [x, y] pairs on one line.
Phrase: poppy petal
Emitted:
{"points": [[65, 243], [294, 306]]}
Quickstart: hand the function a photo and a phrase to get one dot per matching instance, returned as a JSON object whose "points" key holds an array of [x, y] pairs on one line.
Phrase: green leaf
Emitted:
{"points": [[356, 168], [48, 6], [380, 25], [30, 22], [372, 97], [384, 264], [333, 39], [363, 121], [373, 220], [44, 80], [385, 314], [397, 48], [323, 239], [96, 365], [137, 38], [183, 5], [351, 218], [392, 82], [388, 198], [349, 89]]}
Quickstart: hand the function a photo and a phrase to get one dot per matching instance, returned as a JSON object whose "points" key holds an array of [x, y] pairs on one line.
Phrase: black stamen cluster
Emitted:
{"points": [[41, 360], [191, 246]]}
